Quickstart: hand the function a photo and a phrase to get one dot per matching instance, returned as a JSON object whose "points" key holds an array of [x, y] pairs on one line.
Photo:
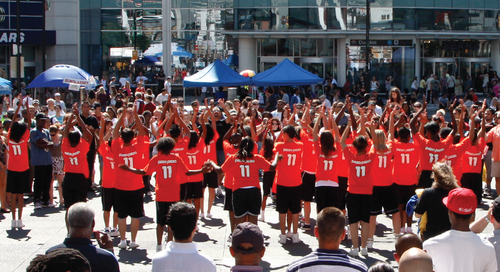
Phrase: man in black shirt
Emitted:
{"points": [[93, 126]]}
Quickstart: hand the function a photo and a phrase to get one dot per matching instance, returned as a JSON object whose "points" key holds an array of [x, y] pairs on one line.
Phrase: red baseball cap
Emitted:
{"points": [[461, 201]]}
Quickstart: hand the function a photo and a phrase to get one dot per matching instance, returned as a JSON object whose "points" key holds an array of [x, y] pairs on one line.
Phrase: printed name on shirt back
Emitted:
{"points": [[72, 154], [361, 162], [291, 150], [433, 149], [167, 162], [128, 154], [248, 161]]}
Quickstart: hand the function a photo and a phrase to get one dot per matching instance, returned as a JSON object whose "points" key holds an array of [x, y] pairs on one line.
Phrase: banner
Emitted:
{"points": [[75, 81]]}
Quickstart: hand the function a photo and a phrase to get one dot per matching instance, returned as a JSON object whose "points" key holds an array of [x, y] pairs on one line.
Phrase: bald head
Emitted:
{"points": [[415, 260], [406, 242]]}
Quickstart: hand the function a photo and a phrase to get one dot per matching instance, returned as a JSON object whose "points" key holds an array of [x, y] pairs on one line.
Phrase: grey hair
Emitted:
{"points": [[80, 215]]}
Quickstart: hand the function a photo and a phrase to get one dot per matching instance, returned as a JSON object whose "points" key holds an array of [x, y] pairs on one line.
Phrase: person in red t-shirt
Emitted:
{"points": [[432, 148], [268, 178], [169, 169], [359, 192], [128, 149], [383, 188], [244, 168], [210, 180], [18, 177], [288, 180], [108, 176], [74, 150], [404, 170], [328, 152], [192, 191], [472, 165]]}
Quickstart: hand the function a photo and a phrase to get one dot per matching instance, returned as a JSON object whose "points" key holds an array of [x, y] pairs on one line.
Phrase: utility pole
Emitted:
{"points": [[167, 37], [18, 45], [367, 67]]}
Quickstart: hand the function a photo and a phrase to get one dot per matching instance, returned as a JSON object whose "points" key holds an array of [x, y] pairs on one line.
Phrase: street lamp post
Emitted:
{"points": [[367, 53], [167, 37]]}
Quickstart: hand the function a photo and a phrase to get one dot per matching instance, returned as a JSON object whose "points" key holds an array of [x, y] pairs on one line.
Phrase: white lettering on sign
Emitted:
{"points": [[7, 37]]}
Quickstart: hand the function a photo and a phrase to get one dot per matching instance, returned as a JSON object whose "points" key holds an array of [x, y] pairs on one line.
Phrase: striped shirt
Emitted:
{"points": [[327, 260]]}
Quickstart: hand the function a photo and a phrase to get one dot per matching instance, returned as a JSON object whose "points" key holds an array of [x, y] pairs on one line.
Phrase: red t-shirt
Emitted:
{"points": [[245, 173], [75, 158], [128, 155], [326, 168], [230, 150], [382, 168], [108, 169], [209, 150], [406, 158], [472, 157], [343, 167], [18, 153], [170, 169], [431, 152], [454, 157], [288, 172], [180, 150], [360, 172], [309, 158], [195, 160]]}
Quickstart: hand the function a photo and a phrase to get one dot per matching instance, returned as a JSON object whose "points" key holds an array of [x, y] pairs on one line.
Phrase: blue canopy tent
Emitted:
{"points": [[232, 60], [286, 73], [5, 86], [56, 75], [216, 74], [179, 52], [147, 61]]}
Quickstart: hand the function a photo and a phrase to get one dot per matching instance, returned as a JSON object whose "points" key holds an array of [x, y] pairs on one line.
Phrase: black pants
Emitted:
{"points": [[474, 182], [90, 161], [43, 176], [74, 189], [147, 185]]}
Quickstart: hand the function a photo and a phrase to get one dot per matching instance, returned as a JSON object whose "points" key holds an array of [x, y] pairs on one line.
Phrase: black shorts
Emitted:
{"points": [[474, 182], [327, 196], [308, 186], [108, 199], [288, 199], [228, 200], [358, 207], [162, 209], [18, 182], [129, 203], [210, 180], [404, 193], [425, 180], [190, 190], [74, 189], [383, 196], [342, 192], [246, 201], [267, 182]]}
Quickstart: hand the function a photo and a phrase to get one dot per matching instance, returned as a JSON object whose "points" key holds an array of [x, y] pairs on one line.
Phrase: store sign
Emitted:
{"points": [[382, 42], [27, 37], [461, 45]]}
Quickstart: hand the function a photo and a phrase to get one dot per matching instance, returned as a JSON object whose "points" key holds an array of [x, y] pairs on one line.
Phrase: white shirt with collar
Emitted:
{"points": [[182, 257]]}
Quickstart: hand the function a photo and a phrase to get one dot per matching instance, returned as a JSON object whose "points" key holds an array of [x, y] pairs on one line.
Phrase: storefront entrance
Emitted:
{"points": [[464, 67]]}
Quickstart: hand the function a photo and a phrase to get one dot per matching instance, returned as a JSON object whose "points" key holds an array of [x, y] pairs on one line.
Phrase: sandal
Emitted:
{"points": [[2, 210]]}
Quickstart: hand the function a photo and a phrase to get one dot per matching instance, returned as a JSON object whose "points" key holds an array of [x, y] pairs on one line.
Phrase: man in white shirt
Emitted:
{"points": [[168, 85], [280, 108], [141, 77], [323, 99], [182, 254], [459, 249], [284, 96], [162, 97], [28, 98]]}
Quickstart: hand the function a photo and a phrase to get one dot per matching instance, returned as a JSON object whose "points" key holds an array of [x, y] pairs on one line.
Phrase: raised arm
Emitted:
{"points": [[69, 126], [413, 122], [16, 114], [140, 126], [346, 133], [86, 134], [315, 132], [119, 124], [391, 125], [193, 120], [335, 129], [229, 118]]}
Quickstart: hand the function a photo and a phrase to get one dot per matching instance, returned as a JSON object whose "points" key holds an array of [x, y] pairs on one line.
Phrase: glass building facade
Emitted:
{"points": [[408, 37]]}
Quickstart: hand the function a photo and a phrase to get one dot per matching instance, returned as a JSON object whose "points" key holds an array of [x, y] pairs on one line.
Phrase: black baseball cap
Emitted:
{"points": [[247, 233]]}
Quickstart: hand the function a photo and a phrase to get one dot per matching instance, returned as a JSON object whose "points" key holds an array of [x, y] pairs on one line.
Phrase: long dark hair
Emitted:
{"points": [[245, 150], [193, 140], [327, 143], [268, 147], [17, 130], [209, 135]]}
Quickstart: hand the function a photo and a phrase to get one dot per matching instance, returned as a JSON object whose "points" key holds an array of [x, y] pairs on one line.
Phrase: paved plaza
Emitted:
{"points": [[45, 228]]}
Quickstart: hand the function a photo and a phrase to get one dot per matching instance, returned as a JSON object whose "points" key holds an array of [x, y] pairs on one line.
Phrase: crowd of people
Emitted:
{"points": [[354, 160]]}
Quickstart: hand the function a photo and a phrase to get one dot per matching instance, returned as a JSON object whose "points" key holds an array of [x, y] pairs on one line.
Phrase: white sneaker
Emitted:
{"points": [[354, 252], [202, 215], [295, 238], [282, 239], [403, 230], [289, 234], [114, 232], [123, 244], [209, 215], [364, 251], [369, 245], [20, 224], [13, 224], [158, 248], [262, 218], [133, 245], [409, 230], [38, 206]]}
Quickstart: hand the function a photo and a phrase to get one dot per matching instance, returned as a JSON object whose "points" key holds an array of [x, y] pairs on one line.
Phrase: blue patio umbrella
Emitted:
{"points": [[179, 52], [5, 86], [61, 75]]}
